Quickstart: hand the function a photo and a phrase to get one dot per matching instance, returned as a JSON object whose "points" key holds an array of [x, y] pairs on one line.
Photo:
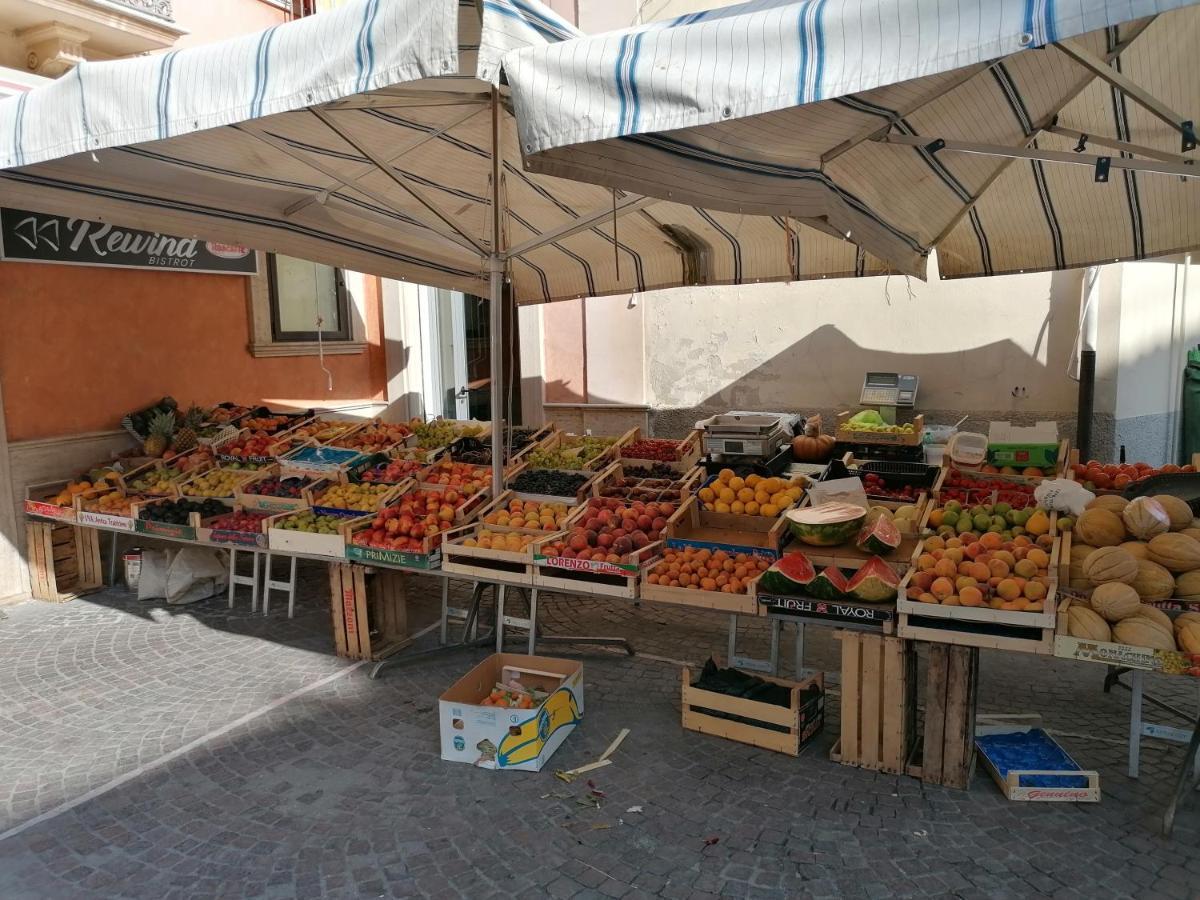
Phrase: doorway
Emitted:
{"points": [[456, 345]]}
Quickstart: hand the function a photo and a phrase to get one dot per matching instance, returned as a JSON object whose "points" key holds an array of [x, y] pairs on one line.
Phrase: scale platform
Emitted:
{"points": [[744, 435]]}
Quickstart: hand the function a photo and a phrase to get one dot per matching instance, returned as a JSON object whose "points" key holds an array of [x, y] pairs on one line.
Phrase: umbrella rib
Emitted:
{"points": [[272, 141], [581, 224], [1100, 69], [442, 98], [402, 183], [1114, 144], [1043, 124]]}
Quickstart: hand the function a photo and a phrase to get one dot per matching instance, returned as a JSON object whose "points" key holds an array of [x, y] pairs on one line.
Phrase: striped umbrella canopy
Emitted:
{"points": [[364, 137], [1012, 135]]}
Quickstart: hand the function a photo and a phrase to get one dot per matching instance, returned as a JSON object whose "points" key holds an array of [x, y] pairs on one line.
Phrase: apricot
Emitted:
{"points": [[1008, 589], [942, 588]]}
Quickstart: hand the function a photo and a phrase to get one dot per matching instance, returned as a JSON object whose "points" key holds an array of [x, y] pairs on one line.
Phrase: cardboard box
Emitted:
{"points": [[1022, 446], [493, 737]]}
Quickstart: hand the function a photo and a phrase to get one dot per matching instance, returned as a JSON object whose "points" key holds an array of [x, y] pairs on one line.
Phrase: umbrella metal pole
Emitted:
{"points": [[496, 308]]}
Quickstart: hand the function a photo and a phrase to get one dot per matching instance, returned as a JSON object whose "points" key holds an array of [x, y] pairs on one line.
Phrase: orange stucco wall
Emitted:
{"points": [[212, 20], [79, 347]]}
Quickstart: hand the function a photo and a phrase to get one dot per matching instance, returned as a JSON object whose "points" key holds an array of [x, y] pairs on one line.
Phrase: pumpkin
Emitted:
{"points": [[1075, 574], [1176, 552], [1142, 633], [1145, 518], [1111, 502], [1153, 582], [1083, 623], [1188, 637], [1187, 586], [1110, 564], [812, 446], [1100, 528], [1178, 510], [1115, 601]]}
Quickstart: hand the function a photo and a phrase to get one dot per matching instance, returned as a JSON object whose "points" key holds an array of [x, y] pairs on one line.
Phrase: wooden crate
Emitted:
{"points": [[743, 604], [64, 561], [948, 745], [693, 526], [370, 611], [877, 437], [879, 704], [475, 562], [689, 453], [569, 576], [802, 718]]}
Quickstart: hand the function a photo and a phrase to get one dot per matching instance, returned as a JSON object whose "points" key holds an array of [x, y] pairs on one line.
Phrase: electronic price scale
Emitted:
{"points": [[887, 391], [758, 435]]}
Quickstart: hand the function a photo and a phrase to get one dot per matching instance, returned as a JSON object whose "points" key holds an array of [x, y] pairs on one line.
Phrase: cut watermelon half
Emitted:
{"points": [[879, 534], [875, 582], [830, 584], [790, 574]]}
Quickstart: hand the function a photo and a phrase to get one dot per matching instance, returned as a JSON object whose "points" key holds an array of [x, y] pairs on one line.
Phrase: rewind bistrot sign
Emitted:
{"points": [[42, 238]]}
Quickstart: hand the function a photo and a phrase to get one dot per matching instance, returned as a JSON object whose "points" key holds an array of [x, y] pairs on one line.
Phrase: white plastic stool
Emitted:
{"points": [[289, 586], [250, 581]]}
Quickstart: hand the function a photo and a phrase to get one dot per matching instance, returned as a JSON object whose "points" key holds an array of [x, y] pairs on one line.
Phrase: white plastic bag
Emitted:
{"points": [[152, 583], [1063, 495], [196, 574]]}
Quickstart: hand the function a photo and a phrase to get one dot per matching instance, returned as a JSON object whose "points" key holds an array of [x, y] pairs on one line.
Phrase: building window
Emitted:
{"points": [[306, 297]]}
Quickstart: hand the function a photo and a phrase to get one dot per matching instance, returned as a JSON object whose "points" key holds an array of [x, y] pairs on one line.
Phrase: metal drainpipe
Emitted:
{"points": [[1088, 334]]}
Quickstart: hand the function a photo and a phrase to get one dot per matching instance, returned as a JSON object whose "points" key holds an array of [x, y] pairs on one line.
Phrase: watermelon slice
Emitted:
{"points": [[790, 574], [827, 524], [875, 582], [879, 534], [830, 584]]}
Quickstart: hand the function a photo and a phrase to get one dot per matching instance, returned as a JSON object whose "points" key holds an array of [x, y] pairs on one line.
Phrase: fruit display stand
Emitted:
{"points": [[92, 511], [879, 702], [568, 575], [743, 603], [537, 484], [319, 430], [155, 479], [643, 452], [195, 485], [309, 543], [891, 485], [850, 435], [426, 554], [319, 461], [40, 501], [1127, 656], [385, 468], [316, 493], [615, 481], [215, 530], [249, 493], [63, 559], [463, 555], [694, 526], [783, 729], [188, 531], [375, 436]]}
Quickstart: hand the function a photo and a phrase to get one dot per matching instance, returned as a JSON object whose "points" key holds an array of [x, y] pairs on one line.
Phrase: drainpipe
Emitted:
{"points": [[1089, 327]]}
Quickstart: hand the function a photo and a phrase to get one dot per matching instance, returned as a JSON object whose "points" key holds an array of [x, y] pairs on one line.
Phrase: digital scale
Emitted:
{"points": [[887, 391], [758, 435]]}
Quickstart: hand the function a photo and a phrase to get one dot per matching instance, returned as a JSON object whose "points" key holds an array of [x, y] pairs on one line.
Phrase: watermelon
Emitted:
{"points": [[875, 582], [830, 584], [879, 534], [790, 574], [827, 524]]}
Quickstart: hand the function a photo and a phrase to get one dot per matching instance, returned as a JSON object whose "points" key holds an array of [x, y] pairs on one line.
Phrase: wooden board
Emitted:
{"points": [[742, 604], [63, 560], [878, 701], [802, 718], [369, 611], [948, 747]]}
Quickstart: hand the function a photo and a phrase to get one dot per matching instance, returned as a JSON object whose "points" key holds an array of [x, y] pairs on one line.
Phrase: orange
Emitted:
{"points": [[725, 475], [745, 494], [935, 518], [708, 495], [737, 484]]}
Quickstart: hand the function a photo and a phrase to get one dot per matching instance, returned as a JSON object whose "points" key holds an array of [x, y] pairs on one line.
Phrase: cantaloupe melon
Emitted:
{"points": [[1145, 517], [1186, 618], [1100, 528], [1159, 618], [1141, 633], [1136, 549], [1083, 623], [1176, 552], [1111, 502], [1153, 582], [1115, 601], [1178, 510], [1110, 564], [1187, 586], [1188, 637], [1075, 574]]}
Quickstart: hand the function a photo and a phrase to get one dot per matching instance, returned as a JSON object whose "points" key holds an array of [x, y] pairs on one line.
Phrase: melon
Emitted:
{"points": [[1155, 616], [1178, 510], [1188, 637], [1136, 549], [1141, 633], [1076, 578], [1145, 518], [791, 574], [827, 524], [875, 582], [1176, 552], [1110, 564], [1186, 618], [1192, 531], [1111, 502], [879, 534], [1187, 586], [1083, 623], [1100, 528], [1152, 581], [1115, 601], [830, 584]]}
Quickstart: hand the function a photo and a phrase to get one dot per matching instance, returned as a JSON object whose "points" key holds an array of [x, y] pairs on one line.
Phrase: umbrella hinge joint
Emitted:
{"points": [[1103, 164], [935, 146], [1188, 130], [1082, 145]]}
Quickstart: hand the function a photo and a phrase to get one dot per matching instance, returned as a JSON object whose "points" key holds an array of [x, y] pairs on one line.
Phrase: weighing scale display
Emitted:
{"points": [[889, 389]]}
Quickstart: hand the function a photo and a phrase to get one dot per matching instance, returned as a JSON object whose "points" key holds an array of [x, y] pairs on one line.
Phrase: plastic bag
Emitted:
{"points": [[152, 582], [196, 574], [1063, 495]]}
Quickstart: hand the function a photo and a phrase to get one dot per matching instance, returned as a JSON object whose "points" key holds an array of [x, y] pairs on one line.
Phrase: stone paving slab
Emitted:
{"points": [[340, 792]]}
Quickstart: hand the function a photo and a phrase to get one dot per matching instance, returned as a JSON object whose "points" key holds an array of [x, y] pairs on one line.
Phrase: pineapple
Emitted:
{"points": [[162, 426], [185, 437]]}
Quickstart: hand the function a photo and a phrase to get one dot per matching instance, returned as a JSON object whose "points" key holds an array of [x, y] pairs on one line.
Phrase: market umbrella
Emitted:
{"points": [[363, 138], [1012, 135]]}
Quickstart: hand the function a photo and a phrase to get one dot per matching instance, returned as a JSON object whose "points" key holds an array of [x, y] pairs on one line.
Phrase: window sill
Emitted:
{"points": [[307, 348]]}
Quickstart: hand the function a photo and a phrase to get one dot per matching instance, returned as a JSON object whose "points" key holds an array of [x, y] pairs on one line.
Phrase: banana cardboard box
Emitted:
{"points": [[499, 737]]}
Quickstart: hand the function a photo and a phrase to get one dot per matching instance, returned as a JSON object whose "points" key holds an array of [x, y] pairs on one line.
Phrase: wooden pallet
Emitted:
{"points": [[948, 746], [370, 611], [64, 561], [802, 718], [879, 704]]}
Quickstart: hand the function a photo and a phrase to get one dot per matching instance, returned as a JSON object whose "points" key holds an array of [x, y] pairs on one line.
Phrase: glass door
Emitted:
{"points": [[455, 354]]}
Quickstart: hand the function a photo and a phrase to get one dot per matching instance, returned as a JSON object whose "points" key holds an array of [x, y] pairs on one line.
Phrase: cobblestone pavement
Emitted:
{"points": [[203, 752]]}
